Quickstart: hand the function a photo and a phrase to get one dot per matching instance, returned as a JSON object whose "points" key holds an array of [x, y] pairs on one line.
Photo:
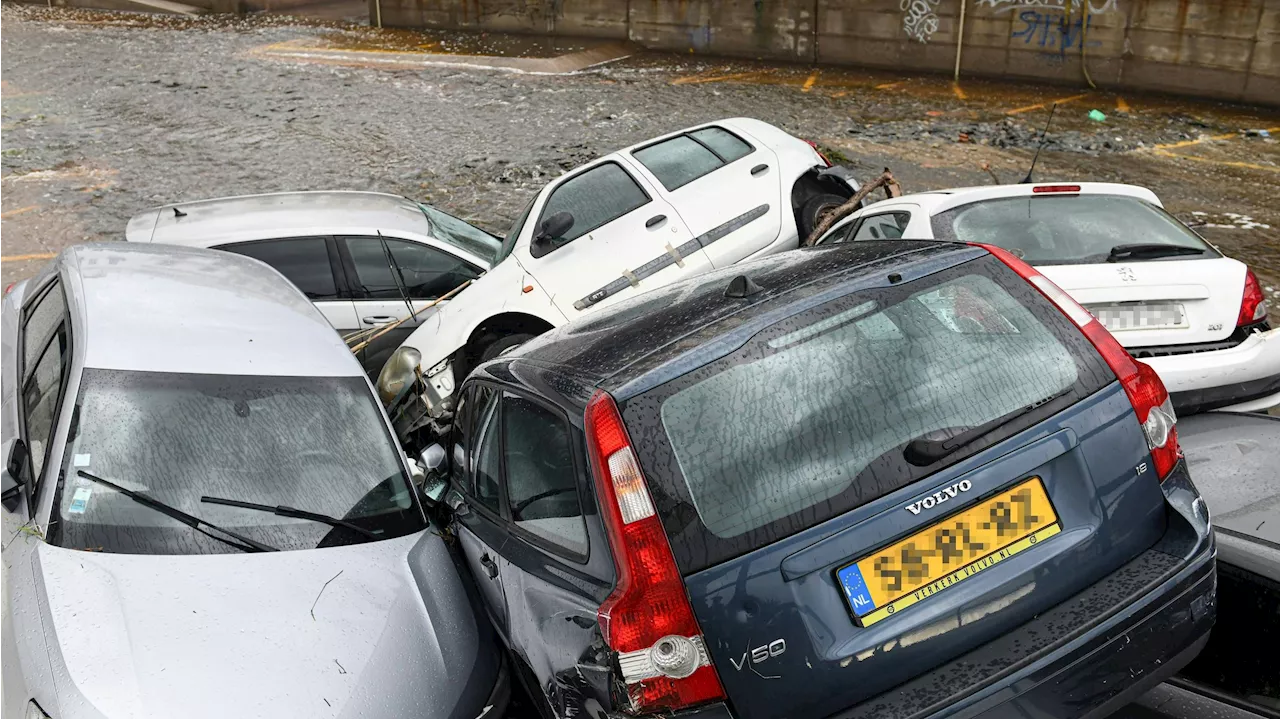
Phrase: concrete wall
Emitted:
{"points": [[1228, 49]]}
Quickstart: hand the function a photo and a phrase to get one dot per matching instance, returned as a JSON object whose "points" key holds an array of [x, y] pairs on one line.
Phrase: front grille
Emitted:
{"points": [[1237, 337]]}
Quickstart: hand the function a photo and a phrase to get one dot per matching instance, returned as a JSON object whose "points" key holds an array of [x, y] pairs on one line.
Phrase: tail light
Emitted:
{"points": [[647, 619], [814, 145], [7, 288], [1253, 305], [1147, 393], [1042, 189]]}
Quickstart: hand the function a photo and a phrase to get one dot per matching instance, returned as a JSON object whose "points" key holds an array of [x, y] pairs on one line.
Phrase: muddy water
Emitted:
{"points": [[105, 114]]}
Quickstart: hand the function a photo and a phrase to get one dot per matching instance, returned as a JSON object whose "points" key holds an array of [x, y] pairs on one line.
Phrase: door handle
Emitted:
{"points": [[655, 221], [490, 566], [378, 319], [759, 169]]}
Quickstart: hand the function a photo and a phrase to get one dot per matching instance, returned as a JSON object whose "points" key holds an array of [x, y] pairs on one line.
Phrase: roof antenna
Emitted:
{"points": [[178, 213], [1027, 180]]}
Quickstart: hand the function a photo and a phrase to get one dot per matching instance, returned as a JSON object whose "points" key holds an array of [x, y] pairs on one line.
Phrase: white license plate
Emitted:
{"points": [[1146, 316]]}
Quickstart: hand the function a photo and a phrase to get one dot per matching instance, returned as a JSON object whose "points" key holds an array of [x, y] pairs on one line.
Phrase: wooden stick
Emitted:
{"points": [[853, 204], [392, 325]]}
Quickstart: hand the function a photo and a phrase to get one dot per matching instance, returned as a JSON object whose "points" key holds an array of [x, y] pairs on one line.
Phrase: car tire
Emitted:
{"points": [[814, 209], [502, 344]]}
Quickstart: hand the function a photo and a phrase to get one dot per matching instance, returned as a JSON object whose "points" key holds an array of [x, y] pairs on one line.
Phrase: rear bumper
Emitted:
{"points": [[1210, 380], [1088, 655]]}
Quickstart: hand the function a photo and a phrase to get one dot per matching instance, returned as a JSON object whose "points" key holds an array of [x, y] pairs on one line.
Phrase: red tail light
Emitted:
{"points": [[814, 145], [1253, 306], [1146, 391], [7, 288], [647, 619], [1040, 189]]}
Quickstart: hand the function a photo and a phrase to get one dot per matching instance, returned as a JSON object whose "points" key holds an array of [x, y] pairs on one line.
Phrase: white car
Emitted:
{"points": [[1197, 317], [352, 253], [701, 198]]}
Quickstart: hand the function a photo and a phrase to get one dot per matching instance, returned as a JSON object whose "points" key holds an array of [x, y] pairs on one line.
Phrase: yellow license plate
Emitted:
{"points": [[948, 552]]}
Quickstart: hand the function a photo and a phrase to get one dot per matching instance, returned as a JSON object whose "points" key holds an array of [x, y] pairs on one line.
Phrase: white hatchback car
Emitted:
{"points": [[701, 198], [361, 257], [1197, 317]]}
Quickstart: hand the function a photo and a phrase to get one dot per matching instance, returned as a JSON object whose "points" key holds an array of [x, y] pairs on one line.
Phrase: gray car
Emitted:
{"points": [[206, 514]]}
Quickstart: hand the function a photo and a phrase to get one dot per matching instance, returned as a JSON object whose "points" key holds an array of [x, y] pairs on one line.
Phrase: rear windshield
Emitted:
{"points": [[810, 418], [1068, 229]]}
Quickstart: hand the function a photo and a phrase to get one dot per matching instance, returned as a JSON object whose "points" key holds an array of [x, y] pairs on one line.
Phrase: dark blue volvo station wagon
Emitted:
{"points": [[881, 480]]}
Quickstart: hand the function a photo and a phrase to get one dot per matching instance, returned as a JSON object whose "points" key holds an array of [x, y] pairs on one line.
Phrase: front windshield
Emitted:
{"points": [[317, 444], [447, 228], [1067, 229]]}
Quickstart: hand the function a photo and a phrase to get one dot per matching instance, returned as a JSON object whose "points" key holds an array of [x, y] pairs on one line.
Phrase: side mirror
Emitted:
{"points": [[435, 483], [553, 228], [15, 453]]}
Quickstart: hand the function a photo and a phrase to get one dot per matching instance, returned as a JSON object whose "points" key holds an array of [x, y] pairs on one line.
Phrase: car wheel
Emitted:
{"points": [[815, 209], [502, 344]]}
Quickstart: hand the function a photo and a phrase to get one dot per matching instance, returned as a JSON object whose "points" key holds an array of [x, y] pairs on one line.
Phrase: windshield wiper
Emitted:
{"points": [[1149, 251], [282, 511], [923, 452], [242, 542]]}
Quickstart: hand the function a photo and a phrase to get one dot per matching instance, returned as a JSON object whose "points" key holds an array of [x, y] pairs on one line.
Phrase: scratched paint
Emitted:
{"points": [[920, 19]]}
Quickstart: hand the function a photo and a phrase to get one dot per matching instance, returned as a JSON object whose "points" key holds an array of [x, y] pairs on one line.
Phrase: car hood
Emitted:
{"points": [[377, 629]]}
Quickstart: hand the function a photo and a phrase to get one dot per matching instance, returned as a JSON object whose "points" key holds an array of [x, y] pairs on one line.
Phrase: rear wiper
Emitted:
{"points": [[923, 452], [1149, 251], [282, 511], [242, 542]]}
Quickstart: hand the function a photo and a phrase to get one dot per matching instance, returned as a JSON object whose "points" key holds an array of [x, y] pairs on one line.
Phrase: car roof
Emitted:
{"points": [[939, 201], [635, 345], [284, 214], [160, 308]]}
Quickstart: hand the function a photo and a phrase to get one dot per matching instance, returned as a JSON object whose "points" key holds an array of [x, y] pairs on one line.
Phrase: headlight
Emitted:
{"points": [[397, 373], [34, 711]]}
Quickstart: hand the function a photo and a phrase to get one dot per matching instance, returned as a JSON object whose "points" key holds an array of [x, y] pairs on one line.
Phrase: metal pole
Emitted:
{"points": [[960, 38], [377, 10]]}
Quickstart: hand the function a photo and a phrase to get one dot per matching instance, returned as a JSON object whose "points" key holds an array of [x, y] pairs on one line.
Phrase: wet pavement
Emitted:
{"points": [[105, 114]]}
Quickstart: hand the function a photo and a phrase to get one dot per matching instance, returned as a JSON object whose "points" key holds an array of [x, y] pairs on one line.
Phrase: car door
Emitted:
{"points": [[43, 360], [624, 238], [474, 497], [310, 263], [554, 575], [382, 272], [725, 188]]}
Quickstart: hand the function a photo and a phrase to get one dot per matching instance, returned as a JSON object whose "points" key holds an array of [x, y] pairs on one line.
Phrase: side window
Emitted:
{"points": [[488, 462], [840, 234], [727, 145], [595, 198], [44, 317], [888, 226], [542, 487], [304, 260], [425, 271], [460, 457], [678, 161], [45, 343]]}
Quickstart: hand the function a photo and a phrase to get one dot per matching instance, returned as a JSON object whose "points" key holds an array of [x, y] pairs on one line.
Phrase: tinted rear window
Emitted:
{"points": [[809, 419], [1066, 229]]}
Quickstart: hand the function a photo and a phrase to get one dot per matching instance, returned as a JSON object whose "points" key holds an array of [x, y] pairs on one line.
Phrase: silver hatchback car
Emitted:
{"points": [[205, 512]]}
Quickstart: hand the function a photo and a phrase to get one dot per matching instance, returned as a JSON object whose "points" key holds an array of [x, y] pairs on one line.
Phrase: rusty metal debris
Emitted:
{"points": [[853, 204]]}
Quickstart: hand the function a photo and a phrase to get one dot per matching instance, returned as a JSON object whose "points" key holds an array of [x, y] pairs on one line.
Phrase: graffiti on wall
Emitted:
{"points": [[920, 20], [1052, 31], [1096, 7]]}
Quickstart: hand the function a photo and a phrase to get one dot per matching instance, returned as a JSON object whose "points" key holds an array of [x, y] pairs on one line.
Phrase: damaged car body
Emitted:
{"points": [[701, 502]]}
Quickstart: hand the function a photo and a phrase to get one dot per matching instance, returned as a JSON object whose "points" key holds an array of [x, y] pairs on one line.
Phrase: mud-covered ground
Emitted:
{"points": [[105, 114]]}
